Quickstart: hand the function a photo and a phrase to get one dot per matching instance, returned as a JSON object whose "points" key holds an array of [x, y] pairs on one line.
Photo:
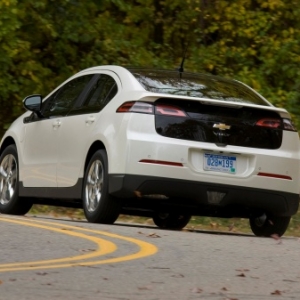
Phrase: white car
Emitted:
{"points": [[166, 144]]}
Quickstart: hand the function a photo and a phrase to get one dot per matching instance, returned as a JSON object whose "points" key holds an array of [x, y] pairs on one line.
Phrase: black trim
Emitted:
{"points": [[74, 192], [182, 195], [237, 201]]}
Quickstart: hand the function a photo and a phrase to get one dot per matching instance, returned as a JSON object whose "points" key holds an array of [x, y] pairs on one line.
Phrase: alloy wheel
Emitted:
{"points": [[8, 178], [93, 188]]}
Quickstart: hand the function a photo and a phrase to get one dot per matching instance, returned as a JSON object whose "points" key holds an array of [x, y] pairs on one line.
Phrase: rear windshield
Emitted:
{"points": [[196, 85]]}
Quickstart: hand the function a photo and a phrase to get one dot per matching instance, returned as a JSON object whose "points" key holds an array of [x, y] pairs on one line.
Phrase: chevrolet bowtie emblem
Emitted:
{"points": [[222, 126]]}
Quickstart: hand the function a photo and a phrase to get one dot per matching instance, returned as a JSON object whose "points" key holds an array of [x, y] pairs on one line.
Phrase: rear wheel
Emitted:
{"points": [[266, 225], [10, 202], [98, 205], [171, 220]]}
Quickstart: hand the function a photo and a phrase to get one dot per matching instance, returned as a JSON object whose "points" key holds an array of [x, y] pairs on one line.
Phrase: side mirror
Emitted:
{"points": [[33, 103]]}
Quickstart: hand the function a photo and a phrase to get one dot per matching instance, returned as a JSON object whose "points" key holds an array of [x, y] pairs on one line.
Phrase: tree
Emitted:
{"points": [[45, 41]]}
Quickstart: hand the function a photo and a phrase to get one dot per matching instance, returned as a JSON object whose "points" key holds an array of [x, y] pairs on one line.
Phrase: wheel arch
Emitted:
{"points": [[7, 141], [97, 145]]}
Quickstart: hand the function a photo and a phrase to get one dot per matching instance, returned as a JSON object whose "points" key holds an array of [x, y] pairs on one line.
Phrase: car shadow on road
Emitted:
{"points": [[144, 226], [185, 230]]}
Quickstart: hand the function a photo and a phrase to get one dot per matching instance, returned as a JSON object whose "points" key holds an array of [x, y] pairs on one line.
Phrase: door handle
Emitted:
{"points": [[90, 120], [56, 124]]}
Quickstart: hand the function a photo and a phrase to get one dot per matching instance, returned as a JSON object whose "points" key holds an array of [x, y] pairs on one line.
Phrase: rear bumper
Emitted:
{"points": [[197, 197]]}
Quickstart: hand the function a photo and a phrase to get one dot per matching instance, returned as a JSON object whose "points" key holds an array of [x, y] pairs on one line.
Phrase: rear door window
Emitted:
{"points": [[104, 89]]}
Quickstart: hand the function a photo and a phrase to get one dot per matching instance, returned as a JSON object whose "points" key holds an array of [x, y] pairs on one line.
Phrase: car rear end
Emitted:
{"points": [[210, 145]]}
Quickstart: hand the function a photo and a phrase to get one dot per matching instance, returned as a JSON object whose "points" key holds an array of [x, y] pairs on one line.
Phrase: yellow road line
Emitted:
{"points": [[104, 247], [146, 249]]}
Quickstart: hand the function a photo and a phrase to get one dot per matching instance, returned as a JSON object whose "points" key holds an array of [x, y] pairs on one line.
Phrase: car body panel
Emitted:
{"points": [[39, 156]]}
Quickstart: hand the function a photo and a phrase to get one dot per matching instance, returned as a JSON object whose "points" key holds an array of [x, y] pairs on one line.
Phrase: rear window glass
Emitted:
{"points": [[196, 85]]}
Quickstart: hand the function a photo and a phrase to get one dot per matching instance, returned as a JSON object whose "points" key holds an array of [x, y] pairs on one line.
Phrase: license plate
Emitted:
{"points": [[220, 163]]}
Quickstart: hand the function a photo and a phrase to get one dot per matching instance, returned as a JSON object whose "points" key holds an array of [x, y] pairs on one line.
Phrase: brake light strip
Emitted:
{"points": [[161, 162], [279, 176]]}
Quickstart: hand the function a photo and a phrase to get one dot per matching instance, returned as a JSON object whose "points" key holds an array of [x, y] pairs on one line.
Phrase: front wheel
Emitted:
{"points": [[266, 225], [98, 205], [10, 202], [171, 220]]}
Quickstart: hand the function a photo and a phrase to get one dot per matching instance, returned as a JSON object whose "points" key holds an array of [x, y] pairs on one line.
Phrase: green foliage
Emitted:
{"points": [[43, 42]]}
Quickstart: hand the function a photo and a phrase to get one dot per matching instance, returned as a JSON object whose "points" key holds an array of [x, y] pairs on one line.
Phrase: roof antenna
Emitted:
{"points": [[180, 69]]}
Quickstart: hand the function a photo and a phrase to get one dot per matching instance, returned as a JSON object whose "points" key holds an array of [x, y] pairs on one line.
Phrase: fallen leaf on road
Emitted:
{"points": [[92, 267], [197, 290], [178, 276], [276, 292], [289, 280], [145, 288], [1, 282], [224, 289], [87, 250], [241, 275], [153, 235], [276, 237], [41, 273]]}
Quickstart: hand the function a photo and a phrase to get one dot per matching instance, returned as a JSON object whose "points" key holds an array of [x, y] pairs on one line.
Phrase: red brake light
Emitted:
{"points": [[168, 110], [137, 107], [271, 123], [279, 176], [277, 123], [161, 162], [148, 108]]}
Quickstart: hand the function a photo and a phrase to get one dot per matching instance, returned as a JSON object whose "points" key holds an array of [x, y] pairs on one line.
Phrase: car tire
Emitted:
{"points": [[10, 202], [175, 221], [98, 205], [266, 225]]}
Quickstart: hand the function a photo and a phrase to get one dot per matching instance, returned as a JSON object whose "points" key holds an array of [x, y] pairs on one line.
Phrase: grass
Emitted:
{"points": [[237, 225]]}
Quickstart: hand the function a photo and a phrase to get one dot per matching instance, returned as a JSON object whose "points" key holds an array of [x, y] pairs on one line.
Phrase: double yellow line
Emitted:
{"points": [[103, 247]]}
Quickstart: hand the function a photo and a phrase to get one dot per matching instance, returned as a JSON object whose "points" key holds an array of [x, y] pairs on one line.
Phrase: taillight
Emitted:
{"points": [[285, 124], [148, 108], [137, 107], [169, 110], [271, 123]]}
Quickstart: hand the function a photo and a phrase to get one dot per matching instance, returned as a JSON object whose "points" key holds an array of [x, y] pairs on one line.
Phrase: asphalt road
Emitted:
{"points": [[44, 258]]}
